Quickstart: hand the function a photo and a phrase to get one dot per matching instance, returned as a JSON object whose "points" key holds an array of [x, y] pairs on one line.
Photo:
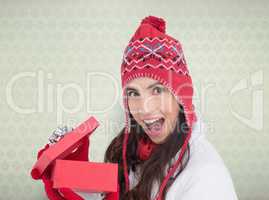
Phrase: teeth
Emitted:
{"points": [[150, 121]]}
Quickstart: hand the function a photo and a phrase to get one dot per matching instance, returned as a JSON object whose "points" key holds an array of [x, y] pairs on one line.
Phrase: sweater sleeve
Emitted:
{"points": [[209, 182], [90, 196]]}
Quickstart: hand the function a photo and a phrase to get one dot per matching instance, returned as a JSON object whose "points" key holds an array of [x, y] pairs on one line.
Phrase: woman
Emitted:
{"points": [[162, 152]]}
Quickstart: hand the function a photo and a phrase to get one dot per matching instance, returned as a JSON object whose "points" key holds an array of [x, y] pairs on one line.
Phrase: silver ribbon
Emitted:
{"points": [[59, 133]]}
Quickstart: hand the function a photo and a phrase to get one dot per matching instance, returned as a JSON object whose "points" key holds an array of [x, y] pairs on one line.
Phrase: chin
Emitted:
{"points": [[157, 140]]}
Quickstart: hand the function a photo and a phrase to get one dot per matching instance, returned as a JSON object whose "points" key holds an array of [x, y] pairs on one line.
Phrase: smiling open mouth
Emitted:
{"points": [[154, 128]]}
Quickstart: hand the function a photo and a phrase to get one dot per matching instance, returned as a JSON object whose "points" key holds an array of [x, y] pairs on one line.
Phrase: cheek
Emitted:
{"points": [[170, 108], [134, 109], [169, 105]]}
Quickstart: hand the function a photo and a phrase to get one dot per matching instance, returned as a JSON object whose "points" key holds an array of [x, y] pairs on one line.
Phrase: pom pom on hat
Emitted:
{"points": [[156, 22]]}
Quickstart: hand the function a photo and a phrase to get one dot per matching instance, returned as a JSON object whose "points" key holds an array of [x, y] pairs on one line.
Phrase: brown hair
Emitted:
{"points": [[152, 169]]}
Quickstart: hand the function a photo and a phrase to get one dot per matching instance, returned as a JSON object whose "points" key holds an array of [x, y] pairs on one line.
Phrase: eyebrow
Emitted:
{"points": [[150, 86], [154, 84]]}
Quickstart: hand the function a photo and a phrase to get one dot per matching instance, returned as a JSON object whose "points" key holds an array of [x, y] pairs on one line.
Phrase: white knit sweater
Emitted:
{"points": [[205, 177]]}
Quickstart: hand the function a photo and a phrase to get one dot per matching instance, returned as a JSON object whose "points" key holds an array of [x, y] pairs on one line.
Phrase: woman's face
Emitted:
{"points": [[153, 107]]}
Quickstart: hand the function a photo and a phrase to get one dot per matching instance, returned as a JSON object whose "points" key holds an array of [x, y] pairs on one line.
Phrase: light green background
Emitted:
{"points": [[225, 43]]}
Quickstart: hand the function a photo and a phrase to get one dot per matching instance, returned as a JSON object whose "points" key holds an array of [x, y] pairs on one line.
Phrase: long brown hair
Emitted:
{"points": [[152, 169]]}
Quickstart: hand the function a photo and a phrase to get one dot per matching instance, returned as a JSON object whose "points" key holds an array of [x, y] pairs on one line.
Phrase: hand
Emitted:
{"points": [[113, 195], [80, 153], [52, 193]]}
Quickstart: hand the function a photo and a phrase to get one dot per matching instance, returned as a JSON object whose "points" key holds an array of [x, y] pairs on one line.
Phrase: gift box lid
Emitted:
{"points": [[63, 147]]}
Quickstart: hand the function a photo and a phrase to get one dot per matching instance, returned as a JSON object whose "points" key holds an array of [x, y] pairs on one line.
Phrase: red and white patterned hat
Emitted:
{"points": [[154, 54]]}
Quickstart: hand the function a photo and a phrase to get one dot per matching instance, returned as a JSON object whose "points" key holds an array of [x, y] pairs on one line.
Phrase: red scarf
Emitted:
{"points": [[145, 148]]}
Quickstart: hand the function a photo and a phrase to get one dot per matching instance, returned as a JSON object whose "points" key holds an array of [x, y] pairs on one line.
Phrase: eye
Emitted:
{"points": [[132, 93], [158, 90]]}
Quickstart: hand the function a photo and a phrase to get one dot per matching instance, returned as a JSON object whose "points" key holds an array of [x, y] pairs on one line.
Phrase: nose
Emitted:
{"points": [[148, 105]]}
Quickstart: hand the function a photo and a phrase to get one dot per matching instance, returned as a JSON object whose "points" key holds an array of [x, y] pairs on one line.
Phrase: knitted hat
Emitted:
{"points": [[154, 54]]}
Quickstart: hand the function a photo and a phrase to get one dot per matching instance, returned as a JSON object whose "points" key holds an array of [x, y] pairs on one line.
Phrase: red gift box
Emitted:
{"points": [[63, 147], [85, 176], [78, 175]]}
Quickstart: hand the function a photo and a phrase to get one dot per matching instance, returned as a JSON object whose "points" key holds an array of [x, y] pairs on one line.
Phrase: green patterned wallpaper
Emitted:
{"points": [[60, 62]]}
